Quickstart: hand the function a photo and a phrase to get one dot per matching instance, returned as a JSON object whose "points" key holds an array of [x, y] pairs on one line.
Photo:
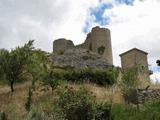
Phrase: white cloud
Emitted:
{"points": [[44, 21], [135, 26], [155, 78], [131, 26]]}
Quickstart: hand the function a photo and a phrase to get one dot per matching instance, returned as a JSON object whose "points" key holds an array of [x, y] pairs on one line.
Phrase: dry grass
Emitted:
{"points": [[13, 104], [102, 94]]}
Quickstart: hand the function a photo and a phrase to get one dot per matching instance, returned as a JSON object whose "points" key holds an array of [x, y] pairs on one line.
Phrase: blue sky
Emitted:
{"points": [[127, 2], [98, 13]]}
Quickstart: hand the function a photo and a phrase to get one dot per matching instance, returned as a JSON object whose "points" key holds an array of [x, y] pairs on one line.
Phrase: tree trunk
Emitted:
{"points": [[12, 89]]}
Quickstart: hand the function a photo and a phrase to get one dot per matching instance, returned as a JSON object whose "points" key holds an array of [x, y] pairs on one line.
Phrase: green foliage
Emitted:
{"points": [[14, 63], [76, 105], [103, 111], [38, 67], [36, 114], [130, 77], [129, 83], [52, 79], [3, 52], [101, 50], [99, 76], [150, 111], [29, 100], [3, 116]]}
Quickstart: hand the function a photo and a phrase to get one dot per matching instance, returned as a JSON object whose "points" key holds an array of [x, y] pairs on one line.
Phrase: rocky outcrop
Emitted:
{"points": [[79, 58]]}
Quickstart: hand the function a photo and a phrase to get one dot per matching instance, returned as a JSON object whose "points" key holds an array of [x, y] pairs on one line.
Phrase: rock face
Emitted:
{"points": [[96, 51], [79, 58]]}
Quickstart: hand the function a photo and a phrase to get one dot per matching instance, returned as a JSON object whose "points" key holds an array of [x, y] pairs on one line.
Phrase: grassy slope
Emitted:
{"points": [[13, 104]]}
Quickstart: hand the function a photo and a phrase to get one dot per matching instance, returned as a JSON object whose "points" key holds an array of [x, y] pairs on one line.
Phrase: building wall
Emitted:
{"points": [[128, 60], [141, 59], [134, 58]]}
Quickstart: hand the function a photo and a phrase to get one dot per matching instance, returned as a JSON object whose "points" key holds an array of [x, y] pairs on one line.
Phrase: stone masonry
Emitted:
{"points": [[134, 58], [99, 41], [140, 96], [97, 45], [60, 45]]}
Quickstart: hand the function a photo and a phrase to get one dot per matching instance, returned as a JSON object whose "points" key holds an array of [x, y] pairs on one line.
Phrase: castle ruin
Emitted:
{"points": [[97, 45]]}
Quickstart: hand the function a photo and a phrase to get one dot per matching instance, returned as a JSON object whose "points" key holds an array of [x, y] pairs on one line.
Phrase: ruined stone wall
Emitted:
{"points": [[140, 96], [99, 41], [60, 45]]}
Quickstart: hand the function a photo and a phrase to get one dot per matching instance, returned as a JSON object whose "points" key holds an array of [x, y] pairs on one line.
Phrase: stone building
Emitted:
{"points": [[98, 41], [134, 58]]}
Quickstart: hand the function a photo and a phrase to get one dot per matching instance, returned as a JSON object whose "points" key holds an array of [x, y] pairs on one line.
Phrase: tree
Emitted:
{"points": [[2, 52], [158, 62], [15, 62]]}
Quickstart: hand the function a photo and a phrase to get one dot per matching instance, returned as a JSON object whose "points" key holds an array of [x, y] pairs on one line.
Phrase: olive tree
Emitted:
{"points": [[15, 62]]}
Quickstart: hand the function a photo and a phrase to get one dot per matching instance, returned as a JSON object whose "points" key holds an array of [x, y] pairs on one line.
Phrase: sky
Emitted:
{"points": [[133, 23]]}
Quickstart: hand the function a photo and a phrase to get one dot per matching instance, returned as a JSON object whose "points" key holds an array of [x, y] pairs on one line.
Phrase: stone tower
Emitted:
{"points": [[99, 41], [60, 45]]}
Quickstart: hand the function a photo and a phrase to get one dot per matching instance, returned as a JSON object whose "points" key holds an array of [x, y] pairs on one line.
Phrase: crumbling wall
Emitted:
{"points": [[140, 96], [99, 41], [60, 45]]}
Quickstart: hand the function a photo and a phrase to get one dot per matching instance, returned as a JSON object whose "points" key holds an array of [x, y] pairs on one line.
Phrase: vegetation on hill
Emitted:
{"points": [[43, 92]]}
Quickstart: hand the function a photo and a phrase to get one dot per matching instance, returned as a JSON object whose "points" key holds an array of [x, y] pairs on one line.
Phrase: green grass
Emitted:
{"points": [[149, 111]]}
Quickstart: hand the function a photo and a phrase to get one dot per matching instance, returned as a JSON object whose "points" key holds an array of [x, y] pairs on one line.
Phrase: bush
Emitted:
{"points": [[129, 84], [29, 100], [103, 111], [99, 76], [76, 105], [3, 116], [52, 79]]}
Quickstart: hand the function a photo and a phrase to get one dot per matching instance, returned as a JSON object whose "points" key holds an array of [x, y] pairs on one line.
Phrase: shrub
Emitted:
{"points": [[103, 111], [99, 76], [76, 105], [3, 116], [52, 79], [129, 84], [29, 100]]}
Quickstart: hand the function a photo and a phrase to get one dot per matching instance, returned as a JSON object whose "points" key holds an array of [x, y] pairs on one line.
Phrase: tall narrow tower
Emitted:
{"points": [[99, 41]]}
